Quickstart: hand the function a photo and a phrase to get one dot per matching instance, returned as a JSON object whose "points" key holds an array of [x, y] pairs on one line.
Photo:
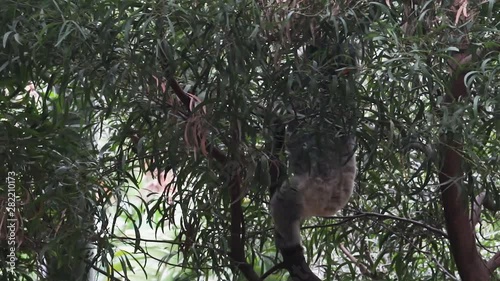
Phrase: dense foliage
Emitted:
{"points": [[197, 88]]}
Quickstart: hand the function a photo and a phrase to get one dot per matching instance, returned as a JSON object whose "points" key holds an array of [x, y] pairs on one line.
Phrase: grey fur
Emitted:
{"points": [[324, 170]]}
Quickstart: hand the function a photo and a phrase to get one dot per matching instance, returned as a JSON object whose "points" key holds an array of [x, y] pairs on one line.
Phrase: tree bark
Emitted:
{"points": [[461, 234]]}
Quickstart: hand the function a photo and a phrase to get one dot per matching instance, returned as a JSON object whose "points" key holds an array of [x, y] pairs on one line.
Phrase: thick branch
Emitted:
{"points": [[179, 92], [237, 227], [460, 231], [494, 262], [236, 242]]}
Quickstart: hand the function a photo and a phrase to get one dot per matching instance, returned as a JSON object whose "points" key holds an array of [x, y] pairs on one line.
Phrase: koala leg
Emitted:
{"points": [[287, 209]]}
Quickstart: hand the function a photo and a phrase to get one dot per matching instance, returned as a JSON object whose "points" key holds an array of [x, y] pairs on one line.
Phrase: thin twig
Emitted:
{"points": [[353, 259], [384, 216], [477, 208], [186, 100], [112, 278], [273, 269]]}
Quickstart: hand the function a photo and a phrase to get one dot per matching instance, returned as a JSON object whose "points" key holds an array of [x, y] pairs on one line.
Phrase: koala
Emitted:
{"points": [[322, 169]]}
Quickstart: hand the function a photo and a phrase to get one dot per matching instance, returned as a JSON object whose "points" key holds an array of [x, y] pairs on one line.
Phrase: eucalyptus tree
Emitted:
{"points": [[201, 89]]}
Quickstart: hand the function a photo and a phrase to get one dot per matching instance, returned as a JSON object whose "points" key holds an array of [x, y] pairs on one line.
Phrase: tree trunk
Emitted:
{"points": [[470, 264]]}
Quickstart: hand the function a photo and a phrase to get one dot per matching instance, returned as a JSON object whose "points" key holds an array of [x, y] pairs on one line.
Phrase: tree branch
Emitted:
{"points": [[490, 204], [477, 208], [236, 240], [273, 269], [186, 100], [276, 167], [179, 92], [103, 272], [384, 216], [354, 260], [461, 235], [494, 262]]}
